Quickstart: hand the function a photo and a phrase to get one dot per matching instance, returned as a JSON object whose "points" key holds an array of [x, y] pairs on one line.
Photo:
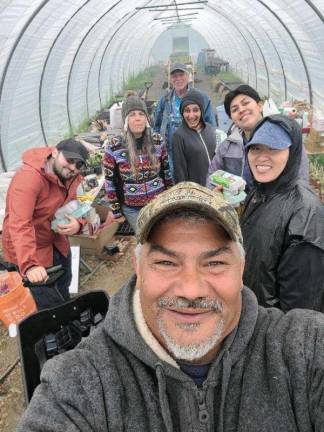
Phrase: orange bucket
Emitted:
{"points": [[17, 303]]}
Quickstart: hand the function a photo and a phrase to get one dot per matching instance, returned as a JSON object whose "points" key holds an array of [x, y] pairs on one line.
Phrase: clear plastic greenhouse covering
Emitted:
{"points": [[61, 61]]}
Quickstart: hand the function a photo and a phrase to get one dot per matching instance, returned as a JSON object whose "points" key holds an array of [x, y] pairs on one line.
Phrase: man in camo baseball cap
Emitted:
{"points": [[189, 195]]}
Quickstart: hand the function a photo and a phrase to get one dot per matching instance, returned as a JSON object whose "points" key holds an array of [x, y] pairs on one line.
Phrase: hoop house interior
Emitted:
{"points": [[61, 61]]}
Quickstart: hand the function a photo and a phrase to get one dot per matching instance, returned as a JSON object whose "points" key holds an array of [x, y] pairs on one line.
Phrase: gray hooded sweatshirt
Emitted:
{"points": [[269, 376]]}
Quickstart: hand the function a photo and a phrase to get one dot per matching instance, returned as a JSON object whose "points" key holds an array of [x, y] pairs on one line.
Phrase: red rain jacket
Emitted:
{"points": [[32, 200]]}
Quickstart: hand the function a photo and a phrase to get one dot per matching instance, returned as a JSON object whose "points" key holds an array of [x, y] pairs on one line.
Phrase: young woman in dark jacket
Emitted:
{"points": [[194, 142], [282, 223]]}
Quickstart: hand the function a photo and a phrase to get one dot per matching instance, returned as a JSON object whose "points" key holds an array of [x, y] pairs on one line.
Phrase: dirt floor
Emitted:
{"points": [[110, 276]]}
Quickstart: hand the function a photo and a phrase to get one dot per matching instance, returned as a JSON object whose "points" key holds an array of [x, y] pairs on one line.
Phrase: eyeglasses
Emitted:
{"points": [[78, 163]]}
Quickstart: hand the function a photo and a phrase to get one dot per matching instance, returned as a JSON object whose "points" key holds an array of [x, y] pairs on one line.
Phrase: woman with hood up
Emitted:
{"points": [[136, 163], [194, 142], [282, 222]]}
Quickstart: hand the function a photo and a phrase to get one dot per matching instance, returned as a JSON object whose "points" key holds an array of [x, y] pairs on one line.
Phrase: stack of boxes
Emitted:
{"points": [[315, 140]]}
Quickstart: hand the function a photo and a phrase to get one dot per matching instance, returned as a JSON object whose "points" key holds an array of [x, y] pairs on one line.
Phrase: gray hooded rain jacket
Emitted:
{"points": [[269, 376]]}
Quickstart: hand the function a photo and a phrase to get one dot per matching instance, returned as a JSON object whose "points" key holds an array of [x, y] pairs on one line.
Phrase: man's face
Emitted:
{"points": [[245, 112], [137, 122], [192, 116], [179, 80], [190, 277], [64, 168]]}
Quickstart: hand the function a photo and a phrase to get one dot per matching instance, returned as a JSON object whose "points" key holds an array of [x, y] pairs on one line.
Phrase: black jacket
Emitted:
{"points": [[192, 150], [283, 232], [192, 153]]}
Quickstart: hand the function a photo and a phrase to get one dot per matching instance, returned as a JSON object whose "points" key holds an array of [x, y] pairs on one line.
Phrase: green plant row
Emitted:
{"points": [[316, 167], [135, 82], [318, 159], [228, 77]]}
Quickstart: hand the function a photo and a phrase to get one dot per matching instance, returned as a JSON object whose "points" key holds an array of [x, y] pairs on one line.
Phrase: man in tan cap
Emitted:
{"points": [[185, 347]]}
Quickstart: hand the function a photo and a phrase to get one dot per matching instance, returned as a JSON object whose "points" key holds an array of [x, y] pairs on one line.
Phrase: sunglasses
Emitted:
{"points": [[78, 164]]}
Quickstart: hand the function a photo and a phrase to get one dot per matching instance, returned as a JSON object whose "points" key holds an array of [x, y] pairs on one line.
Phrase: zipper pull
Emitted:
{"points": [[203, 412]]}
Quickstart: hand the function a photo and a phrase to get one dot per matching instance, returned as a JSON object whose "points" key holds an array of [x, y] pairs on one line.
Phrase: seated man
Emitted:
{"points": [[185, 347]]}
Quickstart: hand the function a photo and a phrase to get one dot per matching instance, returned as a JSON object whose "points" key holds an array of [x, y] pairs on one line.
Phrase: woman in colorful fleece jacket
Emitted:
{"points": [[136, 163]]}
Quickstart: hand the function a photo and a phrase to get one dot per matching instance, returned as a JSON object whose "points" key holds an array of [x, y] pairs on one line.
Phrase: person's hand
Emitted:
{"points": [[218, 188], [111, 219], [70, 228], [121, 219], [36, 274]]}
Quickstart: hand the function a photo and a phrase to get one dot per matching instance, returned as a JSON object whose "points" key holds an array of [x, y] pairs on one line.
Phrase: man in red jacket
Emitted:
{"points": [[47, 180]]}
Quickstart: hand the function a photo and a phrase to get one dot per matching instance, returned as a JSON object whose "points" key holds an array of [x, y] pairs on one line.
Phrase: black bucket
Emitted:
{"points": [[32, 330]]}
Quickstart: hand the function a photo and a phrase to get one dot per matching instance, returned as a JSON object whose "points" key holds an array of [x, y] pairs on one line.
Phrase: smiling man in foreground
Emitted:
{"points": [[185, 347]]}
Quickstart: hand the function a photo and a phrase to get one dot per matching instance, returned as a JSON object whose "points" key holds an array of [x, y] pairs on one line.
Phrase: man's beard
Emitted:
{"points": [[194, 351], [58, 173]]}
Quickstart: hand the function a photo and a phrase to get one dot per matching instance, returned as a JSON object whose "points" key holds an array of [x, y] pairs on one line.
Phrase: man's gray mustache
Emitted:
{"points": [[183, 303]]}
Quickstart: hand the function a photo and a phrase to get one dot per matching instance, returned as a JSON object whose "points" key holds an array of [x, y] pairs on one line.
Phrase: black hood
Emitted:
{"points": [[193, 97], [290, 174]]}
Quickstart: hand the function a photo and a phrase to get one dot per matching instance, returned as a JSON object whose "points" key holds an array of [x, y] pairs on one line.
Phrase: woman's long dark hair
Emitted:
{"points": [[147, 146]]}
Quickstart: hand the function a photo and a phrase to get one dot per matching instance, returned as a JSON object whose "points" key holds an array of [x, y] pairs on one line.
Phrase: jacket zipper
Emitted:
{"points": [[203, 414], [204, 147]]}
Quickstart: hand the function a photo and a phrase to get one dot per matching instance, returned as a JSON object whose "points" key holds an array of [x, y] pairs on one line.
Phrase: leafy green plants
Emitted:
{"points": [[228, 77], [95, 159], [316, 168], [136, 82]]}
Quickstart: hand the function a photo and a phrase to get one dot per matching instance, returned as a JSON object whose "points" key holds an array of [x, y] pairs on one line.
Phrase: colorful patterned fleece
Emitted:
{"points": [[125, 187]]}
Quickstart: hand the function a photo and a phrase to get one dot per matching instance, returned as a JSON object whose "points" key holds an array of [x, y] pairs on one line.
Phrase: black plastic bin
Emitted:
{"points": [[32, 329]]}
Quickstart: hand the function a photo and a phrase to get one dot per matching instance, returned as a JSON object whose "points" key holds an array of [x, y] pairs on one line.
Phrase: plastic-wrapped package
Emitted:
{"points": [[73, 208], [232, 186]]}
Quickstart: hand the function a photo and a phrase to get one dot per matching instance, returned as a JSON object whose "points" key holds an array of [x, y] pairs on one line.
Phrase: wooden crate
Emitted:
{"points": [[315, 141]]}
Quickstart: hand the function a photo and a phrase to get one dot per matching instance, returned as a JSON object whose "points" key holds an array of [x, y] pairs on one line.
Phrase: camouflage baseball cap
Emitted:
{"points": [[189, 195]]}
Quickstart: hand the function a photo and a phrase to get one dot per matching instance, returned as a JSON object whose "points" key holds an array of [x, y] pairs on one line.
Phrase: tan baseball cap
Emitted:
{"points": [[189, 195]]}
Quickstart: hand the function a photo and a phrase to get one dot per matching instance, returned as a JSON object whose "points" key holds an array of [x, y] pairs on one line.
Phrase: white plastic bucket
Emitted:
{"points": [[116, 121]]}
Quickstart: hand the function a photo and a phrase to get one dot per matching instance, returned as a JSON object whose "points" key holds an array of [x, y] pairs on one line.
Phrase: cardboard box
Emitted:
{"points": [[315, 141], [93, 245]]}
